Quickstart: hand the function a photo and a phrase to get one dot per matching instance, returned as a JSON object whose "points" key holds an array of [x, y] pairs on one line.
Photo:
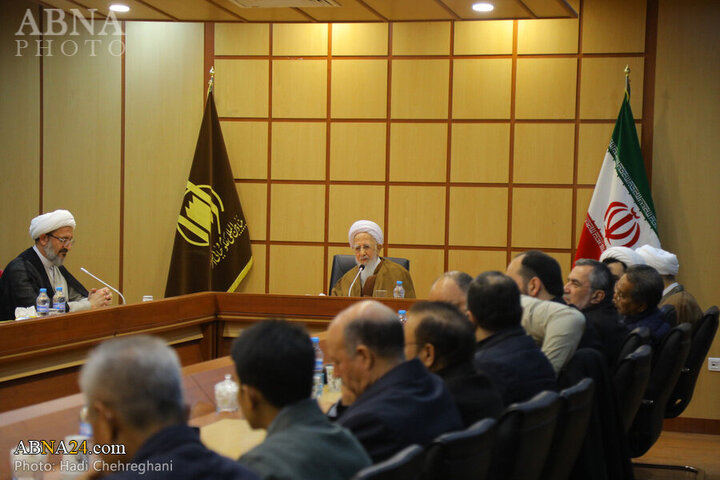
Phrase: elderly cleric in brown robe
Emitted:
{"points": [[366, 239]]}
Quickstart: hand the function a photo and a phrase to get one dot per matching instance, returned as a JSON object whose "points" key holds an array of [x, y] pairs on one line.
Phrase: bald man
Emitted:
{"points": [[397, 402], [452, 288], [377, 273]]}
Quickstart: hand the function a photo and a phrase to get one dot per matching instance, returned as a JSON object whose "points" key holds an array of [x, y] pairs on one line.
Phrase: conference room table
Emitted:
{"points": [[40, 359], [225, 432]]}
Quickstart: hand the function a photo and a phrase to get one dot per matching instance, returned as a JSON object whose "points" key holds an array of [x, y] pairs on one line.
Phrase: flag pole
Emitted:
{"points": [[211, 82], [627, 82]]}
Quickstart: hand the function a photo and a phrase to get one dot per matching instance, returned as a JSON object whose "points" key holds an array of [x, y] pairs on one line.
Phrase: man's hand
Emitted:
{"points": [[100, 298]]}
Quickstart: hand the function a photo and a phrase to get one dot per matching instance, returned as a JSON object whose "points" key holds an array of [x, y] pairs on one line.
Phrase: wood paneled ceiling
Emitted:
{"points": [[347, 11]]}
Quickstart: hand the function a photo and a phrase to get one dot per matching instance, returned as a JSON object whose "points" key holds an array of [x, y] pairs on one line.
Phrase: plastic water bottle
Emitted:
{"points": [[402, 316], [319, 363], [59, 300], [85, 426], [42, 304], [399, 291]]}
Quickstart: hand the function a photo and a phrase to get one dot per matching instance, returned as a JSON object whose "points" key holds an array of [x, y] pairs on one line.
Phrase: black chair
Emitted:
{"points": [[463, 455], [635, 339], [575, 410], [631, 378], [669, 360], [524, 435], [407, 464], [702, 339], [343, 263], [669, 314]]}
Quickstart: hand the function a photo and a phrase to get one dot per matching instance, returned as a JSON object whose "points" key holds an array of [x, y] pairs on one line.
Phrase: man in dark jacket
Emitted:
{"points": [[133, 390], [636, 298], [41, 266], [504, 351], [443, 339], [590, 289], [396, 402]]}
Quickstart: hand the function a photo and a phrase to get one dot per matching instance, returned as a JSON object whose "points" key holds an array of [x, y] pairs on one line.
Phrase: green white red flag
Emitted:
{"points": [[621, 211]]}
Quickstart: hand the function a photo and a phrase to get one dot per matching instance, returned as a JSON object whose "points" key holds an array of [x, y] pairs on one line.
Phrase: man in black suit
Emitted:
{"points": [[590, 289], [443, 339], [41, 266], [504, 350], [396, 402]]}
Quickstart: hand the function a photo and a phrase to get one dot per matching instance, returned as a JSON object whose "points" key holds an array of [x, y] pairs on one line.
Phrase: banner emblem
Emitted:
{"points": [[202, 210], [621, 224]]}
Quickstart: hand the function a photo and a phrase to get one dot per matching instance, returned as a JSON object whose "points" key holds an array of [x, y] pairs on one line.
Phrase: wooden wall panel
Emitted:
{"points": [[81, 147], [164, 106], [19, 132], [686, 171]]}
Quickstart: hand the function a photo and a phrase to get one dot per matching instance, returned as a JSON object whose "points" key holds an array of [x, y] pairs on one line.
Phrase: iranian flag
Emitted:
{"points": [[621, 212]]}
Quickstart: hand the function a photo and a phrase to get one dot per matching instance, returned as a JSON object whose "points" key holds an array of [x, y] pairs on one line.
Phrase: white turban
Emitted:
{"points": [[49, 222], [626, 255], [368, 227], [665, 263]]}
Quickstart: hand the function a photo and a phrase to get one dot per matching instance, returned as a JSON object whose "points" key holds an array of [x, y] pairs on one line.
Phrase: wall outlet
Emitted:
{"points": [[714, 364]]}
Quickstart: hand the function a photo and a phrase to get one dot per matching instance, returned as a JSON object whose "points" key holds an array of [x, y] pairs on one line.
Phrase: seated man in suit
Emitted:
{"points": [[666, 263], [636, 298], [275, 362], [451, 288], [443, 339], [134, 394], [505, 351], [590, 289], [618, 259], [375, 272], [397, 402], [41, 266]]}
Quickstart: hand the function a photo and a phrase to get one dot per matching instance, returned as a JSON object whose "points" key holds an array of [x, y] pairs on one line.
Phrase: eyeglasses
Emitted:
{"points": [[63, 240]]}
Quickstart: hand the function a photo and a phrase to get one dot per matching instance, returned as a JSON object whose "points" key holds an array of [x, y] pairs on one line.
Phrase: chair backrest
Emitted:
{"points": [[702, 339], [576, 404], [407, 464], [631, 378], [524, 436], [669, 314], [670, 359], [343, 263], [463, 455], [635, 338]]}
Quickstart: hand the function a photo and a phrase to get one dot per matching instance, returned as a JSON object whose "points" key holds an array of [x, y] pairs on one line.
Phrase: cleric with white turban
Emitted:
{"points": [[666, 263], [618, 259], [41, 266], [372, 274]]}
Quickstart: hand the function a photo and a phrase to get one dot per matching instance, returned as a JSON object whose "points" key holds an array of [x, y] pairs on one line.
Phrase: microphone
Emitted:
{"points": [[111, 288], [360, 269]]}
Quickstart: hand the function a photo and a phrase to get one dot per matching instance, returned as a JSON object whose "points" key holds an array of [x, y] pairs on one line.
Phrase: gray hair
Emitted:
{"points": [[461, 279], [139, 378], [600, 276]]}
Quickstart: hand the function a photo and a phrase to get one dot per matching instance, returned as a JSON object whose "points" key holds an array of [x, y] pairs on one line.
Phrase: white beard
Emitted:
{"points": [[50, 254], [369, 269]]}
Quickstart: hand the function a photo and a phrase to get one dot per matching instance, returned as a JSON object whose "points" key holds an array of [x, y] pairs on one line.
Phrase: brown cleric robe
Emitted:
{"points": [[385, 277]]}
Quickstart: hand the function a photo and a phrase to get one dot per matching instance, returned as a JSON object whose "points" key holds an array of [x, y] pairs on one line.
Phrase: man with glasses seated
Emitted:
{"points": [[41, 266]]}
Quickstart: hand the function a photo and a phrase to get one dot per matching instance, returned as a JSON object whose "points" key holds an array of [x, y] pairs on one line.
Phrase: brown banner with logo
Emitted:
{"points": [[212, 241]]}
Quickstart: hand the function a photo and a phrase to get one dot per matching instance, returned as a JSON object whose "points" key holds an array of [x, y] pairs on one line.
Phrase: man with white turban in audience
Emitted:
{"points": [[377, 273], [618, 259], [674, 294], [41, 266]]}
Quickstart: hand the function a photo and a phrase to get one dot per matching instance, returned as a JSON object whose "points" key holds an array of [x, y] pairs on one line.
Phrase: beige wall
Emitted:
{"points": [[686, 170], [466, 141]]}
